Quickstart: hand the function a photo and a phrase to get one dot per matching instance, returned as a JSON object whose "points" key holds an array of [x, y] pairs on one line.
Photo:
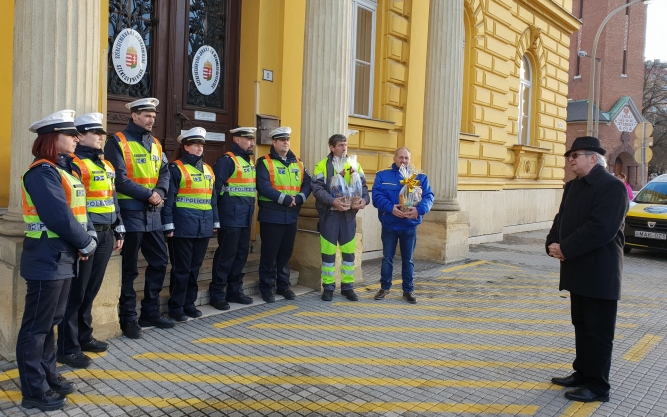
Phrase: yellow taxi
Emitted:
{"points": [[646, 221]]}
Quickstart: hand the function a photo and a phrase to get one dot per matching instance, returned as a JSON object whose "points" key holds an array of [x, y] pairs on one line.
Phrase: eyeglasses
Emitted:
{"points": [[575, 155]]}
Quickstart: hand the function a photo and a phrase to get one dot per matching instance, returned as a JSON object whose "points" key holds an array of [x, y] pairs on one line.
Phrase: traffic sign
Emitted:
{"points": [[648, 155], [644, 129]]}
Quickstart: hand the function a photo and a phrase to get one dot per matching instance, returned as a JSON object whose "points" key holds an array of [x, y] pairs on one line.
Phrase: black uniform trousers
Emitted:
{"points": [[594, 321], [186, 256], [76, 328], [277, 247], [45, 303], [154, 249], [228, 262]]}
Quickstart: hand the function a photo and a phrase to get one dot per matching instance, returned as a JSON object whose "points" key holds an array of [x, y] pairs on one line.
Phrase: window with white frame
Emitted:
{"points": [[363, 57], [525, 99]]}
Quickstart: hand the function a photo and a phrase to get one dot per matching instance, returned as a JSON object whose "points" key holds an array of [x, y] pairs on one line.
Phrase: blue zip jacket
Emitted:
{"points": [[386, 189]]}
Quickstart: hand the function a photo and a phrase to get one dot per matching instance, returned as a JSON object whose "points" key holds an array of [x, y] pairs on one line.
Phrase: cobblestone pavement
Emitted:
{"points": [[484, 338]]}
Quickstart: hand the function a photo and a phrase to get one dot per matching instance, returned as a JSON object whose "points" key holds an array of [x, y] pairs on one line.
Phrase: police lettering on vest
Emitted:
{"points": [[99, 183], [196, 188], [142, 168], [242, 185], [287, 180]]}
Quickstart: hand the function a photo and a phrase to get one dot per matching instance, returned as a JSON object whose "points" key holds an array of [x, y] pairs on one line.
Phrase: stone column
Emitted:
{"points": [[325, 107], [445, 237], [56, 66]]}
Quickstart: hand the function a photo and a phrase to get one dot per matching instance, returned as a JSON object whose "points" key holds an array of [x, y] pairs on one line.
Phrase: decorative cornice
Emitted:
{"points": [[556, 13]]}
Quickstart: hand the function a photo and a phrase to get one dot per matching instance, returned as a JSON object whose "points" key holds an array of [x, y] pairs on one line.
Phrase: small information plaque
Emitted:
{"points": [[204, 115]]}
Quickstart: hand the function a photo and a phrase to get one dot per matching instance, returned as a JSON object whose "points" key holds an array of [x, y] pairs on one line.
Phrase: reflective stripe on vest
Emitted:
{"points": [[287, 180], [242, 186], [75, 194], [142, 167], [196, 188], [99, 185]]}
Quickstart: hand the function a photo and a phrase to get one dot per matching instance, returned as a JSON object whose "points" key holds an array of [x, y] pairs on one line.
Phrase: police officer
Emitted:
{"points": [[142, 182], [58, 232], [75, 332], [337, 222], [235, 188], [190, 217], [283, 185]]}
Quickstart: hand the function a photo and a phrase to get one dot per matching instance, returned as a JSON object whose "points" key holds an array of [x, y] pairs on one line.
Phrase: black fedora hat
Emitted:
{"points": [[586, 143]]}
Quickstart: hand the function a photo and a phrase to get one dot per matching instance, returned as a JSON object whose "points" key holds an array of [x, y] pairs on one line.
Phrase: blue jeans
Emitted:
{"points": [[407, 239]]}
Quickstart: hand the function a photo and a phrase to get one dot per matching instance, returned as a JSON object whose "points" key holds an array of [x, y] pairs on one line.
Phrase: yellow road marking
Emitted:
{"points": [[641, 348], [377, 344], [309, 380], [7, 375], [482, 285], [459, 267], [439, 363], [505, 265], [406, 329], [252, 317], [444, 318], [440, 300], [421, 306], [272, 405], [577, 409]]}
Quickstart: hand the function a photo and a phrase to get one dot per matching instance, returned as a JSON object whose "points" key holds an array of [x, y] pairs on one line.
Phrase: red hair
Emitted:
{"points": [[45, 147]]}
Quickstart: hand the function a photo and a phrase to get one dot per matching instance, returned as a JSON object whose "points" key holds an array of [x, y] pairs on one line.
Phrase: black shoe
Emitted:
{"points": [[95, 346], [62, 386], [585, 396], [131, 330], [241, 299], [269, 298], [194, 313], [327, 295], [49, 401], [568, 381], [162, 322], [75, 360], [288, 294], [220, 305], [410, 297], [178, 316], [350, 295], [381, 294]]}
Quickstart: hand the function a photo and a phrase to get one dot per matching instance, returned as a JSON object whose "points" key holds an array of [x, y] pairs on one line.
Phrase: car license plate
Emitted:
{"points": [[651, 235]]}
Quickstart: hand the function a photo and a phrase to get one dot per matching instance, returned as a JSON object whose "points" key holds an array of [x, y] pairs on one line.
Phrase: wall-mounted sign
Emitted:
{"points": [[625, 121], [206, 70], [204, 115], [129, 56]]}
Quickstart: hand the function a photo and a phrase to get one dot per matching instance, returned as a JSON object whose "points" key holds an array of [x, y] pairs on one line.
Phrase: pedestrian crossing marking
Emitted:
{"points": [[7, 375], [642, 347], [266, 406], [252, 317], [406, 329], [379, 344], [317, 360], [577, 409], [464, 266]]}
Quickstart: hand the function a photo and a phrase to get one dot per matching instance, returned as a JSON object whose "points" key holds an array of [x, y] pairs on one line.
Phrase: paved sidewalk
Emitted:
{"points": [[484, 339]]}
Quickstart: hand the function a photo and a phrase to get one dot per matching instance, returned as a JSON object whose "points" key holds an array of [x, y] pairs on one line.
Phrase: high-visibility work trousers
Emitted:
{"points": [[336, 230]]}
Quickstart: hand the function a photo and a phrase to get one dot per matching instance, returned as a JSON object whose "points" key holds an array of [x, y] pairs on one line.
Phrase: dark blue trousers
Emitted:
{"points": [[277, 247], [228, 262], [45, 303], [186, 256]]}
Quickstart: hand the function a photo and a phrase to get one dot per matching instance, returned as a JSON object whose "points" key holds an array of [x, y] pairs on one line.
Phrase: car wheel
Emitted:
{"points": [[626, 249]]}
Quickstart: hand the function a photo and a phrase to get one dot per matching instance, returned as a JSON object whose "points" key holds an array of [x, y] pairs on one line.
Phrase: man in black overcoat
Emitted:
{"points": [[587, 237]]}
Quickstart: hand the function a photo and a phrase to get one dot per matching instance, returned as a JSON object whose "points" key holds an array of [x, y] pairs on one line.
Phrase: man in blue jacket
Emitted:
{"points": [[398, 226]]}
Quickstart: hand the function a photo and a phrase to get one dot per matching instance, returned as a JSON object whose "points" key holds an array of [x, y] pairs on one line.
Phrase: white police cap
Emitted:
{"points": [[143, 104], [196, 134], [281, 133], [90, 122], [59, 122], [244, 132]]}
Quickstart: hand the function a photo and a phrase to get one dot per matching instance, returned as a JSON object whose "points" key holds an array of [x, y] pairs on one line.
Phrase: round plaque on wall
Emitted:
{"points": [[129, 56], [206, 70]]}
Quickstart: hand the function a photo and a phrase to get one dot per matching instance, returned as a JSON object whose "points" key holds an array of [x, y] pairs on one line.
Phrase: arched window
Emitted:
{"points": [[525, 100]]}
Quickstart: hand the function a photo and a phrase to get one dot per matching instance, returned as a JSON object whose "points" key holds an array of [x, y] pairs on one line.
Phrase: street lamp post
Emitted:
{"points": [[591, 93], [596, 116]]}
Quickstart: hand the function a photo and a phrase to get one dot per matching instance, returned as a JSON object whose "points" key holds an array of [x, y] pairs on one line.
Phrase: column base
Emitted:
{"points": [[12, 226], [443, 237]]}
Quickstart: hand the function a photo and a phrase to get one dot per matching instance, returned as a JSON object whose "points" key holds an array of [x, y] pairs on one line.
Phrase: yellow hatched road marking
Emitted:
{"points": [[11, 374], [440, 300], [308, 380], [438, 363], [642, 347], [504, 265], [421, 306], [577, 409], [483, 285], [272, 405], [252, 317], [406, 329], [459, 267], [377, 344]]}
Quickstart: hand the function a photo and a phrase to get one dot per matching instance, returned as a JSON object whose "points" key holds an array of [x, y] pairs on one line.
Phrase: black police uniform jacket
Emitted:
{"points": [[272, 211], [187, 222], [589, 228], [50, 259], [230, 213], [138, 214]]}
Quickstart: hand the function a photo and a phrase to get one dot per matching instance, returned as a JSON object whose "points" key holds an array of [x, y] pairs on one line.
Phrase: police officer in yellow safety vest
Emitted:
{"points": [[58, 233], [75, 332], [283, 185], [337, 223], [189, 218], [142, 182], [235, 188]]}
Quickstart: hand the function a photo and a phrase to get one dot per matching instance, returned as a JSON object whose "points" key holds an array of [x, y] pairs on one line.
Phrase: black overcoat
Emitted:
{"points": [[589, 227]]}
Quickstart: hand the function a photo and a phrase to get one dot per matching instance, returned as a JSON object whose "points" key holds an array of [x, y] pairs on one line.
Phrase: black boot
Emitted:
{"points": [[49, 401], [327, 295], [350, 294]]}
